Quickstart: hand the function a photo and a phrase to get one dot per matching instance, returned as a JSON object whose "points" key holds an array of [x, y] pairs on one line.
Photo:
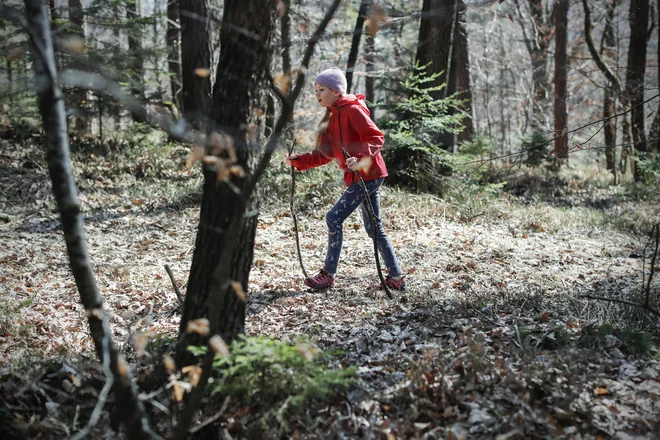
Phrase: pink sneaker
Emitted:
{"points": [[320, 281], [393, 284]]}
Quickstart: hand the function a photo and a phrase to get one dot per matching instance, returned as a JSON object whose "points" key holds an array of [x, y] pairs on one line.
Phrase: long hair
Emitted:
{"points": [[322, 127]]}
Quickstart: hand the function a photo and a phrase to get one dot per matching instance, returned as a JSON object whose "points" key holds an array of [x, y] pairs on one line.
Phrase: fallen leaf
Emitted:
{"points": [[202, 72], [238, 290], [601, 391], [200, 326], [219, 346]]}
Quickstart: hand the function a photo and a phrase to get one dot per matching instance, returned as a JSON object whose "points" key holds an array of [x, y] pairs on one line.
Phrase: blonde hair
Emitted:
{"points": [[322, 127]]}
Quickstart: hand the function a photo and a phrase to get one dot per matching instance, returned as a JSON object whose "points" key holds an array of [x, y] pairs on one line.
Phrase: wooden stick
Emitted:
{"points": [[176, 289]]}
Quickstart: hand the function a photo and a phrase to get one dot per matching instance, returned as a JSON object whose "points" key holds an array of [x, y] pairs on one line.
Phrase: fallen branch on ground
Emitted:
{"points": [[646, 289], [176, 288]]}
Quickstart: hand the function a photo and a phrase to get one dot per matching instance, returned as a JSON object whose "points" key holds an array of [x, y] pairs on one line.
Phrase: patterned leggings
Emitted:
{"points": [[347, 203]]}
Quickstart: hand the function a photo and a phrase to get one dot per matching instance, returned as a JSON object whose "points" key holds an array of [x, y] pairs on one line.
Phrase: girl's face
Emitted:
{"points": [[325, 96]]}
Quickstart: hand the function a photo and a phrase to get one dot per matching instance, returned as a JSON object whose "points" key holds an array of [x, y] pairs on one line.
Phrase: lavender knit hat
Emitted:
{"points": [[333, 79]]}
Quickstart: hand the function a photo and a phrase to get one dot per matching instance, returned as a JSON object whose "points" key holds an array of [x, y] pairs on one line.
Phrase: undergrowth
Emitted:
{"points": [[276, 378]]}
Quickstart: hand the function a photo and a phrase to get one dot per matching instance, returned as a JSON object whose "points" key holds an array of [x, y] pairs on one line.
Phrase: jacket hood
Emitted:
{"points": [[349, 99]]}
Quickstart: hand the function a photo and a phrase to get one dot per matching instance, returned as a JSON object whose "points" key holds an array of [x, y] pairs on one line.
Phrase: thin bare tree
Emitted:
{"points": [[561, 69], [638, 17], [53, 115]]}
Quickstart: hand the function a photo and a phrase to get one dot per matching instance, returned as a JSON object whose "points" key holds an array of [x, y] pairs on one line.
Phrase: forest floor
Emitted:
{"points": [[493, 338]]}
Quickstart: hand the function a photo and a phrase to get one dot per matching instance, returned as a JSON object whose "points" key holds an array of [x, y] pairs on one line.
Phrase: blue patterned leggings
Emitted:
{"points": [[347, 203]]}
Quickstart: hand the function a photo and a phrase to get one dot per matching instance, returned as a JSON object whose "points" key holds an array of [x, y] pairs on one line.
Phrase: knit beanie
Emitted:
{"points": [[333, 79]]}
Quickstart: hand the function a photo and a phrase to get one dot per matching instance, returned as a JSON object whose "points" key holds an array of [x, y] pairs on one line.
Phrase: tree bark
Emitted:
{"points": [[173, 42], [370, 97], [219, 298], [355, 43], [239, 99], [52, 110], [435, 40], [561, 68], [654, 132], [133, 10], [463, 70], [613, 88], [446, 138], [78, 97], [537, 47], [285, 29], [638, 18], [610, 96], [195, 61]]}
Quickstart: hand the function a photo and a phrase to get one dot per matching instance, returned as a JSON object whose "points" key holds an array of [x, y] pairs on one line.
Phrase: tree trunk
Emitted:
{"points": [[463, 70], [539, 56], [174, 51], [285, 29], [610, 132], [370, 97], [561, 67], [537, 41], [609, 98], [654, 132], [239, 98], [10, 80], [52, 110], [448, 139], [634, 94], [133, 10], [355, 43], [195, 61], [435, 40], [614, 86], [78, 97]]}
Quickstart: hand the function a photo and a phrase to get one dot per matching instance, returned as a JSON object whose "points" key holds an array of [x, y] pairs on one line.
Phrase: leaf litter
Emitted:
{"points": [[485, 344]]}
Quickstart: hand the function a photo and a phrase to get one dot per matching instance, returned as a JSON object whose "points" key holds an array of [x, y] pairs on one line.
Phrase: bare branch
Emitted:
{"points": [[99, 83], [109, 381], [176, 288], [51, 108], [519, 153], [622, 301], [13, 15], [647, 295], [592, 49], [211, 419]]}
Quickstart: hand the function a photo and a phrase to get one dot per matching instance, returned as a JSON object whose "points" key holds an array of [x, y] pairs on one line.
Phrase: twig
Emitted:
{"points": [[647, 295], [646, 305], [109, 381], [524, 150], [99, 83], [176, 288], [211, 419], [293, 212], [622, 301]]}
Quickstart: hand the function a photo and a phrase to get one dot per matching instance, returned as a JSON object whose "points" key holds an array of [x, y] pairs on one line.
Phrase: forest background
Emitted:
{"points": [[522, 142]]}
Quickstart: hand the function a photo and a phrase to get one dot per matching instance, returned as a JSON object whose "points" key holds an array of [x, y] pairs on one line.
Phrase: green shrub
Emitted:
{"points": [[535, 148], [648, 166], [413, 152], [277, 376], [630, 341]]}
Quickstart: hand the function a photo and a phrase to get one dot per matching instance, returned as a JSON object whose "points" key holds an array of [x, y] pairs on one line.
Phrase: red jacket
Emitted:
{"points": [[350, 126]]}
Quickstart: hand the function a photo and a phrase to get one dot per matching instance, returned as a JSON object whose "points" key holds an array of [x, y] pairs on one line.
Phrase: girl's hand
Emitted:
{"points": [[288, 159], [352, 164]]}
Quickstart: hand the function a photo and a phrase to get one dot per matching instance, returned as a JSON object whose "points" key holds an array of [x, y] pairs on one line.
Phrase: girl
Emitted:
{"points": [[347, 126]]}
